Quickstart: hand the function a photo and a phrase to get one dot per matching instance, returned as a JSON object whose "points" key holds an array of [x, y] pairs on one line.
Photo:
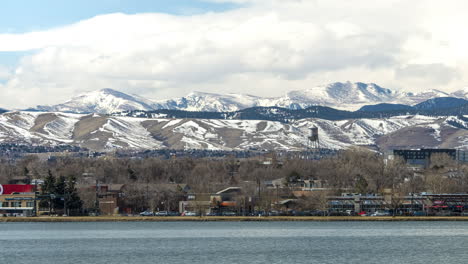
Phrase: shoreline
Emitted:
{"points": [[58, 219]]}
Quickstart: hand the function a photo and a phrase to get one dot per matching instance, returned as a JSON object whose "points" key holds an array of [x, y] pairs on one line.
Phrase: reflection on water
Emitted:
{"points": [[235, 242]]}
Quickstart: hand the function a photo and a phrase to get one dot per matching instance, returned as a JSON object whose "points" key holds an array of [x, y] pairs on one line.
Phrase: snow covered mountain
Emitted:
{"points": [[415, 98], [209, 102], [348, 96], [103, 101], [102, 132], [345, 96], [463, 93]]}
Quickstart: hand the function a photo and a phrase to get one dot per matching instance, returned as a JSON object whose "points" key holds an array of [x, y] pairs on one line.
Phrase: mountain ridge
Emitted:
{"points": [[286, 115], [344, 96], [107, 133], [101, 101]]}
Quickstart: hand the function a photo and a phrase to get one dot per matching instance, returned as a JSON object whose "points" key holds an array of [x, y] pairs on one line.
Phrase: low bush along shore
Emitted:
{"points": [[230, 218]]}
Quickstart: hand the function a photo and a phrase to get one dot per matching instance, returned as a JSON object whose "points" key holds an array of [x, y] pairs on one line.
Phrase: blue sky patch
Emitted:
{"points": [[21, 16]]}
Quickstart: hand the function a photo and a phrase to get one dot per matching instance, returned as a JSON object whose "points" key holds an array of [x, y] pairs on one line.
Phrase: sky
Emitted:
{"points": [[51, 50]]}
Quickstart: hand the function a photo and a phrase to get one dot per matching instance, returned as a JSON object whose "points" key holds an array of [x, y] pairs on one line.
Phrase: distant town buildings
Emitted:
{"points": [[290, 194]]}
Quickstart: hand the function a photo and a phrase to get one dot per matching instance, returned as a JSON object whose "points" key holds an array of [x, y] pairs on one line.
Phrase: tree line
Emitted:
{"points": [[353, 170], [59, 194]]}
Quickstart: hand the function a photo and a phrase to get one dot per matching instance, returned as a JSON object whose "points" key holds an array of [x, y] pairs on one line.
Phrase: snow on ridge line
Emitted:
{"points": [[211, 133], [348, 96]]}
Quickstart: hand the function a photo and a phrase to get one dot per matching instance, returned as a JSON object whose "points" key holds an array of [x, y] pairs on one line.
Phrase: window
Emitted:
{"points": [[4, 204], [15, 204], [29, 204]]}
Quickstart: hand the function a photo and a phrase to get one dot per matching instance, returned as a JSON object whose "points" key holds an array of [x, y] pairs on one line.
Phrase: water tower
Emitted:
{"points": [[314, 142]]}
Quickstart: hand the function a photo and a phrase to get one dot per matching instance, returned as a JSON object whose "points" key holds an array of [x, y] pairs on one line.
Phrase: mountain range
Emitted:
{"points": [[379, 118], [442, 106], [343, 96]]}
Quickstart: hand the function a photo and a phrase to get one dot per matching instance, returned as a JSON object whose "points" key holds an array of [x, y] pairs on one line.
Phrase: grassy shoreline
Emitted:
{"points": [[225, 219]]}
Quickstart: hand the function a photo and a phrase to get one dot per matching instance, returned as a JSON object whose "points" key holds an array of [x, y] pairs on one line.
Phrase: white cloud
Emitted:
{"points": [[263, 48], [437, 74], [5, 72]]}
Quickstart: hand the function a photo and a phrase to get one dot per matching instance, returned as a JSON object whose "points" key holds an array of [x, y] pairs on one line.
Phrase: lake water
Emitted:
{"points": [[235, 242]]}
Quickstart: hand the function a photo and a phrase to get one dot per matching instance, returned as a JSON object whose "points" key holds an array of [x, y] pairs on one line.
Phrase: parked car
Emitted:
{"points": [[335, 213], [350, 212], [444, 213], [146, 213], [189, 213], [300, 213], [213, 214], [229, 213], [258, 213], [285, 213], [318, 213], [161, 213], [171, 213], [419, 213], [380, 213], [273, 213]]}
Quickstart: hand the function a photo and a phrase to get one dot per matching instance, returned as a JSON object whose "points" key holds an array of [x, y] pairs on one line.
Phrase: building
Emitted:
{"points": [[19, 200], [445, 204], [421, 157], [298, 183], [419, 204], [357, 203], [228, 200], [198, 203], [107, 198], [110, 199]]}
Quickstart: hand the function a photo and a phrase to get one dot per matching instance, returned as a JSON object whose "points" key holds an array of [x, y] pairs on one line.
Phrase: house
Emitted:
{"points": [[297, 183], [231, 199], [286, 204], [110, 199], [199, 203]]}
